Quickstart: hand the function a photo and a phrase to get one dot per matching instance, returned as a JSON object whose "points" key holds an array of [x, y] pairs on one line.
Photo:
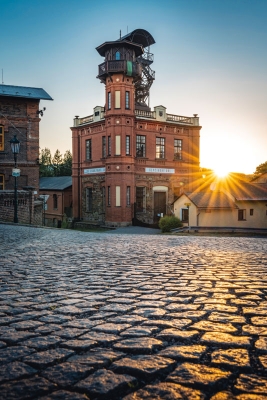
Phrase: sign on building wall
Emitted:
{"points": [[94, 170], [160, 170]]}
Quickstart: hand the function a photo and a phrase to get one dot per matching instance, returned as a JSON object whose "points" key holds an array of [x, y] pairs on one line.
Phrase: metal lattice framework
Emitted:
{"points": [[143, 83]]}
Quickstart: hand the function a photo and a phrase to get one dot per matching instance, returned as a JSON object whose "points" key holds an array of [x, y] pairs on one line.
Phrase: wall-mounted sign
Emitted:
{"points": [[94, 170], [160, 170], [16, 172]]}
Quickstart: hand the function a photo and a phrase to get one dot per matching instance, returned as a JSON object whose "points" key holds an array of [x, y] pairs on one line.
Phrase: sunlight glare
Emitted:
{"points": [[221, 171]]}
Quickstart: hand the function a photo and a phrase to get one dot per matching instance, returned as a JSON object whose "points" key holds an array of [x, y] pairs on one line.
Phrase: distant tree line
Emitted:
{"points": [[57, 165], [261, 169]]}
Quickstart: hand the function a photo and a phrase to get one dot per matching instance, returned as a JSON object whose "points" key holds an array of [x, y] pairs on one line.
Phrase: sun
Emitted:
{"points": [[221, 171]]}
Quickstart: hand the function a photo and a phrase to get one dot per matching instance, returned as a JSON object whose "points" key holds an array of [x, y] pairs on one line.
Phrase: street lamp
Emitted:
{"points": [[15, 146]]}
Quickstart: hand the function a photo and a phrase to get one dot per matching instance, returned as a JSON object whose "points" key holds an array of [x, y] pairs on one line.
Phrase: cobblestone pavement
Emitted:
{"points": [[101, 316]]}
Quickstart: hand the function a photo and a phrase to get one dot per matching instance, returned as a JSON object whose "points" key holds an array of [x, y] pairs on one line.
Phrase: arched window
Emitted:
{"points": [[117, 55]]}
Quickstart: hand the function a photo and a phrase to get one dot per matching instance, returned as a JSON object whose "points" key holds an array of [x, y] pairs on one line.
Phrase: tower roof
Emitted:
{"points": [[140, 36], [105, 46]]}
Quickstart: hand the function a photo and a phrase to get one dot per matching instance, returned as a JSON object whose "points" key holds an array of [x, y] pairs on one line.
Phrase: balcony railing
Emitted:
{"points": [[169, 117], [179, 118], [118, 66]]}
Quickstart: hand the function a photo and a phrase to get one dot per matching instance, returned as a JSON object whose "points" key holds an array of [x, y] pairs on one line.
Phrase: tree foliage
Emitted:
{"points": [[58, 165], [261, 169]]}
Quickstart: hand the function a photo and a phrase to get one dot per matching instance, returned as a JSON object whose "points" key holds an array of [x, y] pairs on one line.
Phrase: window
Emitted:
{"points": [[117, 55], [117, 145], [140, 146], [177, 149], [118, 196], [109, 145], [55, 201], [2, 138], [88, 149], [128, 196], [117, 99], [185, 213], [109, 100], [104, 150], [241, 215], [160, 147], [140, 199], [109, 196], [2, 182], [89, 199], [127, 99], [251, 211], [127, 144]]}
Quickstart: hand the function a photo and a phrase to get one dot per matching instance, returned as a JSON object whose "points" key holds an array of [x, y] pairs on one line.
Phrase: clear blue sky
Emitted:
{"points": [[210, 58]]}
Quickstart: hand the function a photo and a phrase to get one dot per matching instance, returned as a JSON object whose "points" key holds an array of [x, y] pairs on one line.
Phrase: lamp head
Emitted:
{"points": [[15, 145]]}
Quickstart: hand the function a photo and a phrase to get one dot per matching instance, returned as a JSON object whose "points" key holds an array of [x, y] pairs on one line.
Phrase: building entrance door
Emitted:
{"points": [[159, 205]]}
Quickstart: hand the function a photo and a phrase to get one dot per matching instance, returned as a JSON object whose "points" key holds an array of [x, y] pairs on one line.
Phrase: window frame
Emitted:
{"points": [[140, 199], [109, 145], [127, 100], [109, 100], [160, 148], [178, 148], [241, 214], [109, 196], [104, 147], [55, 201], [88, 149], [127, 145], [140, 146], [128, 196]]}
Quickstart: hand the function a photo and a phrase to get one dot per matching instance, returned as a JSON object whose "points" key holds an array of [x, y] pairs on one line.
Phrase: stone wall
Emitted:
{"points": [[29, 211]]}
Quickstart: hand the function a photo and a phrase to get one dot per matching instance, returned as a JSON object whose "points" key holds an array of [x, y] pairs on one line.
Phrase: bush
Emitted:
{"points": [[168, 223]]}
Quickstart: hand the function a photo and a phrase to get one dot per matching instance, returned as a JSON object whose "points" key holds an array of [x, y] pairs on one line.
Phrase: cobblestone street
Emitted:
{"points": [[122, 316]]}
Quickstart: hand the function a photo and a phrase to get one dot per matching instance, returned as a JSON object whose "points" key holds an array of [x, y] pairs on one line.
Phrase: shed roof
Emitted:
{"points": [[25, 92], [55, 182], [245, 191], [140, 36], [211, 199]]}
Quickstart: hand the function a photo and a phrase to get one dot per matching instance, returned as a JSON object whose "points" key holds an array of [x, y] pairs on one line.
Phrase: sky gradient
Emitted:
{"points": [[210, 58]]}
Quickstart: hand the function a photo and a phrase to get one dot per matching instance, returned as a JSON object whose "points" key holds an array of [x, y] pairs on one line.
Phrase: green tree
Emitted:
{"points": [[46, 167], [261, 169], [57, 162], [66, 169]]}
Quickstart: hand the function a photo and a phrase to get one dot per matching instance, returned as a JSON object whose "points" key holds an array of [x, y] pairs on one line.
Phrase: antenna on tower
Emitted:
{"points": [[120, 34], [2, 76], [127, 28]]}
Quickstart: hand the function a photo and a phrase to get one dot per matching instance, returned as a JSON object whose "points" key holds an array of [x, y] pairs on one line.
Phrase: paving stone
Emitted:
{"points": [[79, 345], [214, 326], [198, 375], [189, 352], [251, 384], [111, 328], [165, 390], [144, 367], [15, 370], [42, 342], [231, 357], [177, 334], [182, 307], [254, 330], [55, 319], [105, 383], [188, 314], [43, 359], [142, 345], [255, 311], [69, 333], [81, 323], [129, 319], [9, 354], [173, 323], [24, 325], [139, 331], [29, 388], [261, 344], [262, 321], [67, 373], [224, 317], [64, 395], [263, 360], [220, 308], [17, 336], [225, 339], [2, 344], [150, 312], [100, 337], [98, 357]]}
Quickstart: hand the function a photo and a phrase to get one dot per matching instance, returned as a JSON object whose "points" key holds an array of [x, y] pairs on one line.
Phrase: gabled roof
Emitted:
{"points": [[245, 191], [55, 182], [25, 92], [105, 46], [211, 199]]}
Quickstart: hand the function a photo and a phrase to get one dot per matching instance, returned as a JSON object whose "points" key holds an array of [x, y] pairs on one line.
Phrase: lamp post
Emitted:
{"points": [[15, 147]]}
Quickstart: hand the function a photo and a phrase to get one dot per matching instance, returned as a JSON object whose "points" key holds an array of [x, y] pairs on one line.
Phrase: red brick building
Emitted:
{"points": [[129, 162], [20, 116]]}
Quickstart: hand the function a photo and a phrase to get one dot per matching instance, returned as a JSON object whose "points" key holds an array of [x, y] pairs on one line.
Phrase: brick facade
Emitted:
{"points": [[19, 115], [116, 178]]}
